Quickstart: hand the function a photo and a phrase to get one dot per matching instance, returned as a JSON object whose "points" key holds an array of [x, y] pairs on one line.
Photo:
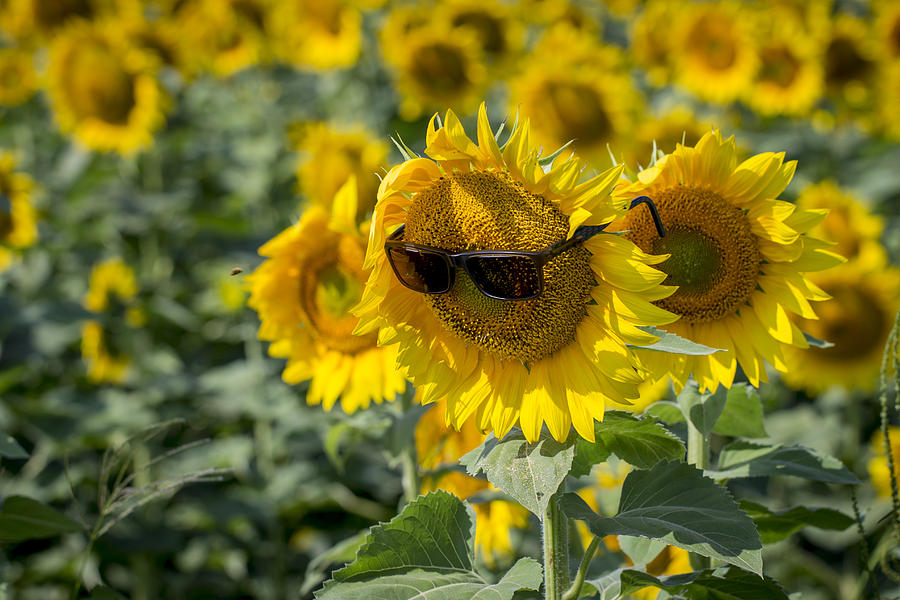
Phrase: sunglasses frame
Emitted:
{"points": [[459, 260]]}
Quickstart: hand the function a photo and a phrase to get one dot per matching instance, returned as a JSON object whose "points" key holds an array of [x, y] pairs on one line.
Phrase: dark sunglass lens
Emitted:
{"points": [[510, 277], [420, 270]]}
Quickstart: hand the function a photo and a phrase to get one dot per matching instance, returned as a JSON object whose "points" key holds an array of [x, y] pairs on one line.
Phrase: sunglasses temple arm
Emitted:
{"points": [[653, 213]]}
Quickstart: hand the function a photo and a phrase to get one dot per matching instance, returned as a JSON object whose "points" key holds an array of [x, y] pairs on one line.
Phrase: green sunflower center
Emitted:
{"points": [[853, 320], [97, 85], [489, 211], [331, 282], [440, 68], [695, 259], [715, 257]]}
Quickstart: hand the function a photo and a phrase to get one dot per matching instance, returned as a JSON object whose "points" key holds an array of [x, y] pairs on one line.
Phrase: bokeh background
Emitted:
{"points": [[149, 148]]}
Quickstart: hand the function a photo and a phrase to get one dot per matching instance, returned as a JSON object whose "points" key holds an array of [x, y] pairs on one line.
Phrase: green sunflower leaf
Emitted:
{"points": [[816, 342], [743, 414], [748, 459], [702, 409], [640, 442], [22, 518], [666, 411], [674, 502], [726, 583], [530, 473], [428, 549], [10, 448], [776, 525], [675, 344]]}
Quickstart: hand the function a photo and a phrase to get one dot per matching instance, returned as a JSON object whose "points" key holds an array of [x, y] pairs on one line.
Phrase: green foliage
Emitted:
{"points": [[640, 442], [728, 583], [742, 415], [427, 550], [748, 459], [702, 409], [776, 525], [676, 503], [23, 518], [529, 473], [675, 344], [10, 448]]}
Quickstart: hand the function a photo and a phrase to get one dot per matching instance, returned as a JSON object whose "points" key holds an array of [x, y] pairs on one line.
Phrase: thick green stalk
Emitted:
{"points": [[409, 460], [556, 550]]}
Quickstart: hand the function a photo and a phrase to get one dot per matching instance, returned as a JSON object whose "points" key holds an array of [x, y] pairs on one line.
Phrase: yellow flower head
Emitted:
{"points": [[738, 254], [888, 117], [499, 34], [576, 89], [303, 291], [651, 39], [223, 36], [878, 465], [18, 81], [887, 26], [789, 76], [328, 157], [435, 65], [110, 279], [554, 359], [855, 232], [439, 446], [18, 219], [857, 320], [714, 50], [317, 34], [103, 89], [34, 22], [850, 53]]}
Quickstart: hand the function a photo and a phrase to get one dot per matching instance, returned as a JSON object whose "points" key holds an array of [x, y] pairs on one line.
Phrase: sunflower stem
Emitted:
{"points": [[409, 460], [556, 550], [697, 447]]}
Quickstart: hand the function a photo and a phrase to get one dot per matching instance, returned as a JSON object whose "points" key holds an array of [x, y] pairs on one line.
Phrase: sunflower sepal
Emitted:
{"points": [[673, 343], [815, 342]]}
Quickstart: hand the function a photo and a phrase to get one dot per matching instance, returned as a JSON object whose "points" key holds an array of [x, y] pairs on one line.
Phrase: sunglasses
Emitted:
{"points": [[500, 274]]}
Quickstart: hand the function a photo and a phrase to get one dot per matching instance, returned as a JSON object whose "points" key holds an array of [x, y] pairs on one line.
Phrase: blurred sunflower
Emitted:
{"points": [[316, 34], [224, 36], [678, 126], [850, 52], [435, 66], [651, 39], [499, 33], [18, 219], [303, 291], [738, 255], [888, 116], [879, 472], [163, 39], [438, 447], [713, 49], [576, 91], [112, 288], [789, 76], [855, 231], [671, 560], [35, 22], [887, 26], [857, 320], [18, 81], [554, 359], [328, 157], [103, 89]]}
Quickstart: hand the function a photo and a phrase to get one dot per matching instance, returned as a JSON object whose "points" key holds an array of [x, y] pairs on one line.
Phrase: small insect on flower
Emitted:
{"points": [[236, 271]]}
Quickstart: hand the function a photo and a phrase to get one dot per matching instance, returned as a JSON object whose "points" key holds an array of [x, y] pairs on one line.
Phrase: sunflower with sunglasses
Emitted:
{"points": [[489, 266]]}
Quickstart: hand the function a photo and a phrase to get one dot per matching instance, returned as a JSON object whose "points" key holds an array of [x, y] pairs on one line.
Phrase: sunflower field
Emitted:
{"points": [[507, 299]]}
